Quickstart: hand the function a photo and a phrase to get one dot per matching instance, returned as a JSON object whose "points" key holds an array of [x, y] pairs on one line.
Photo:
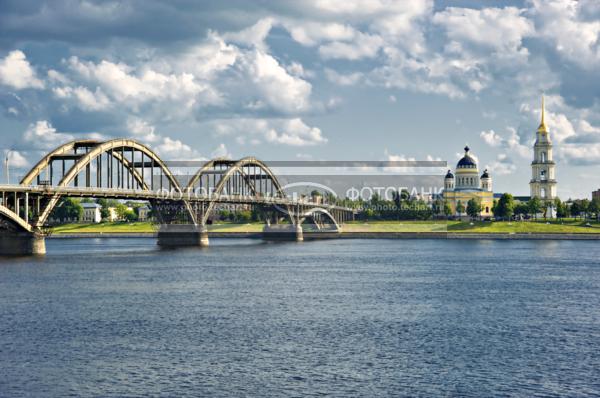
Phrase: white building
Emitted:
{"points": [[91, 212], [112, 214], [143, 213]]}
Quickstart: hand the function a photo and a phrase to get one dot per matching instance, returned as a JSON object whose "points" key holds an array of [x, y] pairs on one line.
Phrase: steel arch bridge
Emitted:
{"points": [[127, 169]]}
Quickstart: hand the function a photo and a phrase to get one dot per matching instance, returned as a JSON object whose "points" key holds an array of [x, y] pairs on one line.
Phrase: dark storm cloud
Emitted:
{"points": [[88, 22]]}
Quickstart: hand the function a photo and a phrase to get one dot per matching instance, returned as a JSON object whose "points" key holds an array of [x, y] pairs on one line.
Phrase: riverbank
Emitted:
{"points": [[358, 235], [371, 229]]}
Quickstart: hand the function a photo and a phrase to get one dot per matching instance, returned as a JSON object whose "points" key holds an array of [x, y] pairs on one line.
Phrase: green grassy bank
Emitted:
{"points": [[566, 226]]}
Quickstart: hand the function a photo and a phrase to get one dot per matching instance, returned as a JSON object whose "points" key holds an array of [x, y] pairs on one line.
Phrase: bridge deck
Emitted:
{"points": [[137, 194]]}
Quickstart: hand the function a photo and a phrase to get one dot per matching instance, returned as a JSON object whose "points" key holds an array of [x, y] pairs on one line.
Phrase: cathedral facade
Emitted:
{"points": [[467, 184]]}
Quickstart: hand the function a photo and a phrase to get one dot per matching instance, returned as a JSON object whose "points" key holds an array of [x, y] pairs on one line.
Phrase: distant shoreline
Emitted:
{"points": [[357, 235]]}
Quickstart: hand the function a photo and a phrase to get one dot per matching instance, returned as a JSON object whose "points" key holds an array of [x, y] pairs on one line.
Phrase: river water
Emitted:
{"points": [[120, 317]]}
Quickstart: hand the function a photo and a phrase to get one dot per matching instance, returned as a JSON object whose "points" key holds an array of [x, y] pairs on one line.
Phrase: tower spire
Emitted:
{"points": [[542, 126]]}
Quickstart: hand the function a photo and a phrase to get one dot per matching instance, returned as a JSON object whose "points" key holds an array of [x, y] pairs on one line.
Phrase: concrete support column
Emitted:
{"points": [[299, 233], [179, 235], [287, 232], [22, 243]]}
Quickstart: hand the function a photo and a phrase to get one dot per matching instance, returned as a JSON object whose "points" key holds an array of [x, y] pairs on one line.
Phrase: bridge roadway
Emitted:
{"points": [[134, 194]]}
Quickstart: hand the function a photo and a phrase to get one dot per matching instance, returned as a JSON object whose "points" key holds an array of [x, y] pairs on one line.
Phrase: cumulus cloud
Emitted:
{"points": [[361, 46], [127, 84], [220, 152], [292, 132], [503, 29], [17, 72], [275, 86], [512, 143], [571, 29], [503, 165], [84, 98], [173, 149], [42, 135], [142, 130], [16, 159], [348, 79]]}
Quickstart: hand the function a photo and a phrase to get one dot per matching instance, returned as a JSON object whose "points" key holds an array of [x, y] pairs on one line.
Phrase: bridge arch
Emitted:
{"points": [[45, 161], [311, 213], [204, 170], [14, 219], [98, 150], [238, 168]]}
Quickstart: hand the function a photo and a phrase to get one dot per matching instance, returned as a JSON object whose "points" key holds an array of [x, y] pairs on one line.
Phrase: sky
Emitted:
{"points": [[321, 79]]}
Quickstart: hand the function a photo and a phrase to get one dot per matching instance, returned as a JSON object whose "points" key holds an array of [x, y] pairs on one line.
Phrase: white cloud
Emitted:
{"points": [[503, 165], [221, 152], [292, 132], [512, 143], [311, 33], [83, 97], [16, 159], [275, 86], [362, 46], [209, 58], [127, 84], [558, 123], [167, 147], [42, 135], [170, 149], [16, 72], [254, 35], [348, 79], [581, 155], [571, 33], [142, 130], [503, 29]]}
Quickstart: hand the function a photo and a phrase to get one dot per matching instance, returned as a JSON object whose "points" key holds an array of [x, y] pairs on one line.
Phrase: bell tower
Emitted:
{"points": [[543, 182]]}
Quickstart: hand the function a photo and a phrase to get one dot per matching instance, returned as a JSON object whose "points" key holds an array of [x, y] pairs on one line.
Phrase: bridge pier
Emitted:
{"points": [[22, 243], [178, 235], [283, 232]]}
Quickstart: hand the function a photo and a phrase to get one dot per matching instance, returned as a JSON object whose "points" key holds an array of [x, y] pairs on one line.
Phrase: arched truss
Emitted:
{"points": [[247, 176], [13, 218], [317, 212], [64, 149], [128, 175]]}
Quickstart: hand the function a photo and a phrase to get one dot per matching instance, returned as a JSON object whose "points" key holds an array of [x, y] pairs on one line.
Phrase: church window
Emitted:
{"points": [[543, 192], [487, 209], [543, 175], [543, 156]]}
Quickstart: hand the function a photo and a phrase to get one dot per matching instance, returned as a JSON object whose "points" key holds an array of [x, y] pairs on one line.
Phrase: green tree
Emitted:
{"points": [[447, 209], [585, 207], [130, 215], [244, 216], [534, 206], [576, 208], [521, 209], [594, 208], [561, 209], [68, 209], [460, 208], [474, 208], [505, 207], [121, 211]]}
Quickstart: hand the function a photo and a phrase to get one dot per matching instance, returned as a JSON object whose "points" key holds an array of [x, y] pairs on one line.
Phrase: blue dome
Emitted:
{"points": [[449, 174], [466, 161], [485, 174]]}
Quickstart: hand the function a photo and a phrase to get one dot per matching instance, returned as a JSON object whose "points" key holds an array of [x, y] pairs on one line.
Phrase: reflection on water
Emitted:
{"points": [[115, 317]]}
